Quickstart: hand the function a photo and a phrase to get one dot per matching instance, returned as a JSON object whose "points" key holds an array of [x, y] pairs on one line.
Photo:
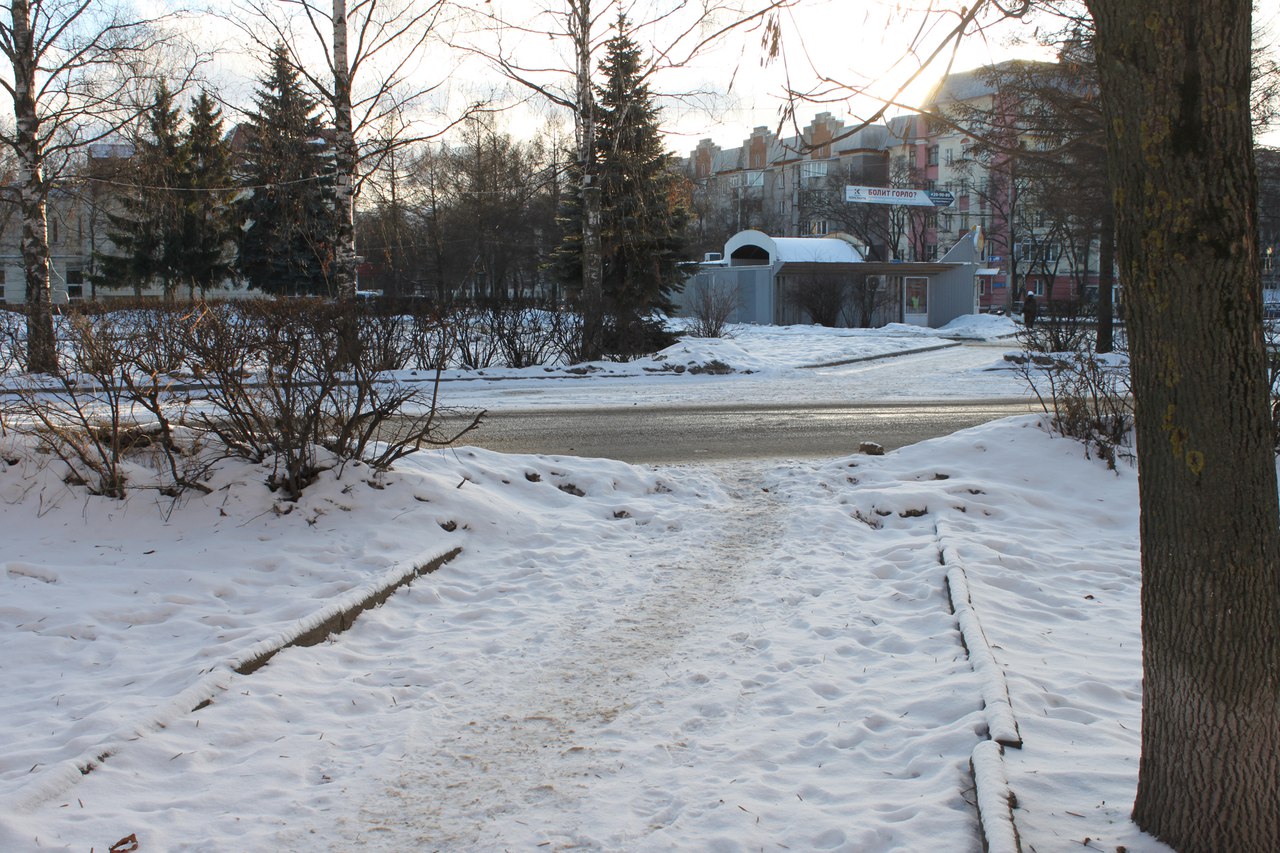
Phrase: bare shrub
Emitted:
{"points": [[320, 383], [13, 341], [474, 344], [822, 297], [271, 413], [1063, 325], [1088, 396], [710, 303], [568, 333], [107, 420], [300, 385], [526, 333], [431, 340], [385, 337]]}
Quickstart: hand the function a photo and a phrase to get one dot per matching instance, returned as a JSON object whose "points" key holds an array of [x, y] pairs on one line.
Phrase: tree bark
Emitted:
{"points": [[42, 353], [1106, 281], [1175, 88], [345, 157]]}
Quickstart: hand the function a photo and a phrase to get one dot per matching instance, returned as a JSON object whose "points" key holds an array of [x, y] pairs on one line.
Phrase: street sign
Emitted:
{"points": [[896, 195]]}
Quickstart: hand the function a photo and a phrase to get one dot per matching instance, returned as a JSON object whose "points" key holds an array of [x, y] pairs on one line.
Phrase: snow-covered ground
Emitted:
{"points": [[720, 657], [778, 364]]}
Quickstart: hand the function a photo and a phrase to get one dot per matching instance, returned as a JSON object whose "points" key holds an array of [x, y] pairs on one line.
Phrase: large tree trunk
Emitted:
{"points": [[1106, 281], [42, 353], [345, 156], [1175, 87]]}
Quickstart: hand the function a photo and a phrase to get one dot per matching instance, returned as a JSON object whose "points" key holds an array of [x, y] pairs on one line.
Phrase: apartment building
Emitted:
{"points": [[793, 186]]}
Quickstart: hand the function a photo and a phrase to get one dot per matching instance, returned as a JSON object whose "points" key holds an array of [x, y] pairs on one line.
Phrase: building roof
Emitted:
{"points": [[832, 249]]}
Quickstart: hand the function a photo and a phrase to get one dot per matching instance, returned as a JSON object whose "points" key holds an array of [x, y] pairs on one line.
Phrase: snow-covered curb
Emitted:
{"points": [[995, 800], [334, 618], [877, 356], [991, 784], [1001, 725]]}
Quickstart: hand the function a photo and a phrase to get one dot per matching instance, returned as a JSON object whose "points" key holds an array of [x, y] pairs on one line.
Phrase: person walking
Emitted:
{"points": [[1029, 308]]}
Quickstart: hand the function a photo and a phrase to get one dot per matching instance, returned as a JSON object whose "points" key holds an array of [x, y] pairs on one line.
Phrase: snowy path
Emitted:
{"points": [[738, 702]]}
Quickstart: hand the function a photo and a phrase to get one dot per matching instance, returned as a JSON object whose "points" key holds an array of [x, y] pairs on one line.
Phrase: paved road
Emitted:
{"points": [[701, 433]]}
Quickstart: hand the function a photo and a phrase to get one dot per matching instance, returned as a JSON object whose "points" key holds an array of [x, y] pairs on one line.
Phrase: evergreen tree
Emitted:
{"points": [[643, 211], [286, 245], [146, 230], [208, 229]]}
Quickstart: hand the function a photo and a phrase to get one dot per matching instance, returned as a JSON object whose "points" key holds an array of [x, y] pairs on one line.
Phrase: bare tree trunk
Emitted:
{"points": [[1175, 80], [42, 353], [592, 297], [345, 157]]}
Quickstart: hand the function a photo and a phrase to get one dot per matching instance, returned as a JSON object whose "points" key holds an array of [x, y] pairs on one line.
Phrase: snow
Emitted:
{"points": [[774, 364], [754, 655]]}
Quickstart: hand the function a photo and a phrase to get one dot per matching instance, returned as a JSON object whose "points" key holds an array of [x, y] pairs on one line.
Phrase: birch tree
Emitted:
{"points": [[74, 71], [363, 59]]}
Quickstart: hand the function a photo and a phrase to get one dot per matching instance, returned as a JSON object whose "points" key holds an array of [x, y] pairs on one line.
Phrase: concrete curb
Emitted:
{"points": [[883, 355], [995, 800]]}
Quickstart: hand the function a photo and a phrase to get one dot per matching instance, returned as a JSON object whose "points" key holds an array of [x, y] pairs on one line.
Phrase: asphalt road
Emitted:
{"points": [[707, 433]]}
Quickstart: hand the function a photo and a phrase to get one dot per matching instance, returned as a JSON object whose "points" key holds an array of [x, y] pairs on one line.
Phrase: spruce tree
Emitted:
{"points": [[286, 246], [146, 229], [643, 215], [208, 229]]}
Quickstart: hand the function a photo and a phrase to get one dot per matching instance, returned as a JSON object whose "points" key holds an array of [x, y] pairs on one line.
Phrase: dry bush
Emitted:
{"points": [[108, 418], [321, 384], [1061, 326], [710, 306], [300, 385], [13, 341], [473, 342], [1088, 395], [526, 333]]}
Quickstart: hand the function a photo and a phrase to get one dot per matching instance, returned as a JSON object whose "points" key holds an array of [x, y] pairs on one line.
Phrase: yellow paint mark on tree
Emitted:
{"points": [[1179, 437]]}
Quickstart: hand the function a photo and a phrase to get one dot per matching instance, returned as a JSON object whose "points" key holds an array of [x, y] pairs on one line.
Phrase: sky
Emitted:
{"points": [[723, 92], [752, 655]]}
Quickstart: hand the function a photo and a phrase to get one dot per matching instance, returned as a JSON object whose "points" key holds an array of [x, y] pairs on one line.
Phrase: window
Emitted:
{"points": [[930, 251], [813, 169], [1032, 252], [982, 287], [916, 294], [933, 155], [75, 284], [817, 227]]}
